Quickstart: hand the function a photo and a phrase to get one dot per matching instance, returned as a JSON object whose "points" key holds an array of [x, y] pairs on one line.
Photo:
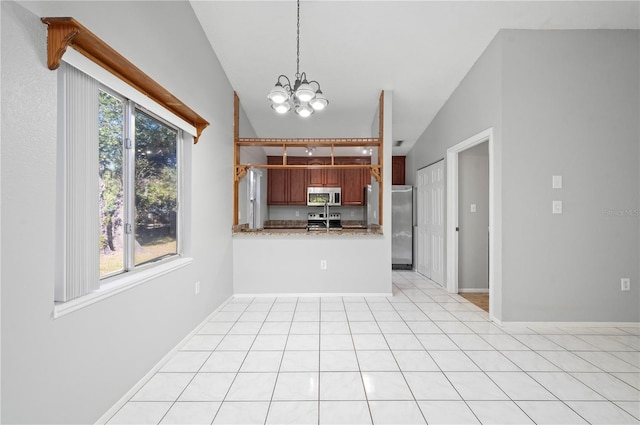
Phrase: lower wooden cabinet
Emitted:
{"points": [[289, 187]]}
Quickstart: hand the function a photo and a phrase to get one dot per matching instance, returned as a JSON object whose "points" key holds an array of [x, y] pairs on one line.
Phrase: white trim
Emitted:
{"points": [[321, 294], [89, 67], [569, 324], [473, 290], [495, 251], [118, 285], [123, 400]]}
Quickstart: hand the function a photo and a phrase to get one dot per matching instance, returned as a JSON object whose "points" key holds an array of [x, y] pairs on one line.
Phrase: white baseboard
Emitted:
{"points": [[118, 405], [315, 295], [568, 324], [473, 290]]}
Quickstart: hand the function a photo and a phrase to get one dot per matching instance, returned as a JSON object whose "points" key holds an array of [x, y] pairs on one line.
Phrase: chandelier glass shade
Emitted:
{"points": [[303, 96]]}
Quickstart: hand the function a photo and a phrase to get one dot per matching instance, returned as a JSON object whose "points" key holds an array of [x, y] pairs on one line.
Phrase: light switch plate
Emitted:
{"points": [[557, 182], [473, 208], [557, 207]]}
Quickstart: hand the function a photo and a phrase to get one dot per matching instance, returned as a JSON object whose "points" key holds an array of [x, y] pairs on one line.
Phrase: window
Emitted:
{"points": [[138, 187], [120, 187]]}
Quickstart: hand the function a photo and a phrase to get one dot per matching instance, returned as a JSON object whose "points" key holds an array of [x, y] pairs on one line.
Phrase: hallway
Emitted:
{"points": [[421, 356]]}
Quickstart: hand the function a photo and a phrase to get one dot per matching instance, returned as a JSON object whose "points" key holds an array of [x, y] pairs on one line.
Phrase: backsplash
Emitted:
{"points": [[300, 212]]}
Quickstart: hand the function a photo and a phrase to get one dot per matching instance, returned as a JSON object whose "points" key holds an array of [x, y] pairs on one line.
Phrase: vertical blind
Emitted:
{"points": [[78, 265]]}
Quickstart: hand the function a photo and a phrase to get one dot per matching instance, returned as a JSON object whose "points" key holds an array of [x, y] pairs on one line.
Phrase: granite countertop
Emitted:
{"points": [[299, 228]]}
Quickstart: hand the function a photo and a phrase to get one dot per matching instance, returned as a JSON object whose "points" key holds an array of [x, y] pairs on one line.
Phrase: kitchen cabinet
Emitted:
{"points": [[354, 180], [398, 170], [287, 187], [322, 177]]}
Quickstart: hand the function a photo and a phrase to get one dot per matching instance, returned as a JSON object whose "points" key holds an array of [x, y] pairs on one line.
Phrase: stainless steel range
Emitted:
{"points": [[319, 221]]}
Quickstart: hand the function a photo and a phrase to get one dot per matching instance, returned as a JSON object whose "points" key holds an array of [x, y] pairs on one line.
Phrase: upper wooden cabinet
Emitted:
{"points": [[398, 170], [354, 180], [289, 186], [322, 177]]}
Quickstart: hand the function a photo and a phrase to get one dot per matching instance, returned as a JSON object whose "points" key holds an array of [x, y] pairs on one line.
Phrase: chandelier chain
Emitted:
{"points": [[298, 43]]}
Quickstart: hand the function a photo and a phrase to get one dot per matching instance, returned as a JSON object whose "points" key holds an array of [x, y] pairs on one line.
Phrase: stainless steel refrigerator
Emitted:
{"points": [[402, 227]]}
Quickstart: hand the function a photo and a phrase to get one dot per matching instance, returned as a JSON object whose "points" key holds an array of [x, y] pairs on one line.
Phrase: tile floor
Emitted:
{"points": [[421, 356]]}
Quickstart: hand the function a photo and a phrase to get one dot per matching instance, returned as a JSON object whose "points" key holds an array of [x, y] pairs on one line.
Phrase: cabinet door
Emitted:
{"points": [[353, 180], [297, 182], [397, 170], [332, 178], [277, 183], [316, 177]]}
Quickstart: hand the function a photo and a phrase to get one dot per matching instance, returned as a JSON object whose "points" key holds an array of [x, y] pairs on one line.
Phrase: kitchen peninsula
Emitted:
{"points": [[280, 190]]}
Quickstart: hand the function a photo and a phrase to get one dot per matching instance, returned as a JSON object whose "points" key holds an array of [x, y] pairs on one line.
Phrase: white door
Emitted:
{"points": [[431, 222]]}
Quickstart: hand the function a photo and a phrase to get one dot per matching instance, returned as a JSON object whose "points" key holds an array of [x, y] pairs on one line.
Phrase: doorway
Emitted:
{"points": [[430, 231], [453, 213], [473, 225]]}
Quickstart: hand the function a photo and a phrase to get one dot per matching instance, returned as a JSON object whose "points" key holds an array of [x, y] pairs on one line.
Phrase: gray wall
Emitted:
{"points": [[560, 102], [473, 237], [72, 369], [570, 107]]}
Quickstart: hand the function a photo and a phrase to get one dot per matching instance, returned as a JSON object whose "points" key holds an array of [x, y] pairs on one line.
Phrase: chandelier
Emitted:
{"points": [[302, 97]]}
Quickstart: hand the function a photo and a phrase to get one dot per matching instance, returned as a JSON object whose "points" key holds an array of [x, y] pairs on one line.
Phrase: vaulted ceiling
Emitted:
{"points": [[420, 50]]}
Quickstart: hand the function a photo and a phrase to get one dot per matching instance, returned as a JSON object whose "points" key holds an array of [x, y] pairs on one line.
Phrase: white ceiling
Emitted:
{"points": [[420, 50]]}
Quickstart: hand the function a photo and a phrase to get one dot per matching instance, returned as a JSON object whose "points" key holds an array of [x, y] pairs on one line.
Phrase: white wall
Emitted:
{"points": [[559, 102], [291, 264], [473, 237], [72, 369]]}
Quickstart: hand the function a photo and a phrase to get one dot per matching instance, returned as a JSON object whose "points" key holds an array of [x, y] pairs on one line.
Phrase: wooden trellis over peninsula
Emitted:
{"points": [[240, 170]]}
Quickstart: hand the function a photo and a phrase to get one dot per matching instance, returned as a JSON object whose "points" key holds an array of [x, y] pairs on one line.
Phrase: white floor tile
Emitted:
{"points": [[475, 386], [424, 327], [252, 387], [385, 386], [631, 407], [538, 342], [453, 361], [370, 342], [570, 342], [336, 342], [381, 361], [305, 328], [226, 316], [504, 342], [492, 361], [236, 343], [607, 362], [185, 361], [632, 379], [499, 412], [300, 361], [275, 328], [293, 412], [303, 342], [208, 387], [191, 413], [262, 361], [202, 343], [530, 361], [344, 413], [216, 328], [609, 386], [246, 328], [341, 386], [253, 316], [245, 413], [359, 316], [394, 328], [163, 387], [612, 343], [451, 325], [564, 386], [602, 413], [447, 412], [333, 316], [431, 386], [550, 413], [296, 386], [364, 328], [334, 328], [470, 342], [403, 342], [396, 412], [520, 386], [140, 413], [269, 342], [415, 361], [306, 316], [224, 361], [280, 316], [631, 357], [437, 342], [338, 361]]}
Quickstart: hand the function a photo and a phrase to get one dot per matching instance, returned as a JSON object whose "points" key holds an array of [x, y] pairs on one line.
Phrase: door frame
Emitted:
{"points": [[495, 247]]}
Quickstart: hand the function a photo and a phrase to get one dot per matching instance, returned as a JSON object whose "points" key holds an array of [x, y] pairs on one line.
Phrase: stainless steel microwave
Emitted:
{"points": [[321, 196]]}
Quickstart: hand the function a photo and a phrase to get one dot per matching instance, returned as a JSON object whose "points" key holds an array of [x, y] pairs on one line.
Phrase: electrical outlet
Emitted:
{"points": [[197, 288], [625, 284], [557, 207], [323, 264], [297, 213], [353, 213]]}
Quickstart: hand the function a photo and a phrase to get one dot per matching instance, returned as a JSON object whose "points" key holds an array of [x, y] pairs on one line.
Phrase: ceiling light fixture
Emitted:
{"points": [[301, 97]]}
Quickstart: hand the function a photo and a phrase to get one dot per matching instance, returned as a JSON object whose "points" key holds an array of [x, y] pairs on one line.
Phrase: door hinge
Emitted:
{"points": [[457, 229], [127, 229], [127, 143]]}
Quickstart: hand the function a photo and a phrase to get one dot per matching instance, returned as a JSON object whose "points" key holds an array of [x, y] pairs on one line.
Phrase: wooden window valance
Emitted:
{"points": [[64, 32]]}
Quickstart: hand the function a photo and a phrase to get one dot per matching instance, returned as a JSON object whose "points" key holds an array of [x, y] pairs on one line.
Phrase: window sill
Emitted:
{"points": [[119, 285]]}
